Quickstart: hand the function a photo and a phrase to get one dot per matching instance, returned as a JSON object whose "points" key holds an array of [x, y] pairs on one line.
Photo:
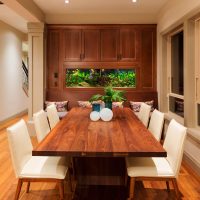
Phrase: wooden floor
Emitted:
{"points": [[188, 181]]}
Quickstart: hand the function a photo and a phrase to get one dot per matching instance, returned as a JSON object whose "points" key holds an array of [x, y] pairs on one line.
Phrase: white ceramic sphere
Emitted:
{"points": [[106, 114], [94, 116]]}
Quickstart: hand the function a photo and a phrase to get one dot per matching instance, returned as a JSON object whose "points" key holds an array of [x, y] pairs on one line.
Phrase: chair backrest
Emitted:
{"points": [[52, 115], [144, 113], [20, 145], [174, 144], [41, 124], [156, 124]]}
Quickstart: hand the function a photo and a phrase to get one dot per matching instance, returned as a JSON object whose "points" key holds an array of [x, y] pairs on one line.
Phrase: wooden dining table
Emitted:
{"points": [[99, 148], [76, 135]]}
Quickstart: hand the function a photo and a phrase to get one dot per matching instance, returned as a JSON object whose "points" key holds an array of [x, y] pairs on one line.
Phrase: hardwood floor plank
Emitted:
{"points": [[188, 183]]}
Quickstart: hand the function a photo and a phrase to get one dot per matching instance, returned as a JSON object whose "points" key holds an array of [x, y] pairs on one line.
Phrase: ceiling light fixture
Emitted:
{"points": [[134, 1], [66, 1]]}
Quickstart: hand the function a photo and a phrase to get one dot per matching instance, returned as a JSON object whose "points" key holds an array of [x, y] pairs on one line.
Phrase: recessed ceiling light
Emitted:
{"points": [[66, 1], [134, 1]]}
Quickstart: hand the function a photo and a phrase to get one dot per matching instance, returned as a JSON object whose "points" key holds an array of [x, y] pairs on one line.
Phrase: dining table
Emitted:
{"points": [[99, 148]]}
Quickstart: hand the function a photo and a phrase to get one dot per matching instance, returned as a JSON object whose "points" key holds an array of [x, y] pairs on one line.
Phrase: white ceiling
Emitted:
{"points": [[100, 6], [88, 12], [13, 19]]}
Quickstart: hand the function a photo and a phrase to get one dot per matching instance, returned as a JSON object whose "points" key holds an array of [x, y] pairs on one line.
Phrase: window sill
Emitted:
{"points": [[193, 133], [169, 116]]}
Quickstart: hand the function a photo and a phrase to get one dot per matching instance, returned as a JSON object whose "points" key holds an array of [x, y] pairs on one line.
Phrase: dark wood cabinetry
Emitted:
{"points": [[101, 46], [109, 44], [129, 44], [72, 45], [90, 45], [53, 58]]}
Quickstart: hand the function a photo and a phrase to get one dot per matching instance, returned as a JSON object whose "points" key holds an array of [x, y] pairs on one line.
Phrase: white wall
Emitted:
{"points": [[173, 14], [12, 97], [173, 11]]}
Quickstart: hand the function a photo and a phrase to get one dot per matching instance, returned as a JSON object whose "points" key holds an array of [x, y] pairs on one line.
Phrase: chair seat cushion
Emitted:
{"points": [[148, 167], [45, 167]]}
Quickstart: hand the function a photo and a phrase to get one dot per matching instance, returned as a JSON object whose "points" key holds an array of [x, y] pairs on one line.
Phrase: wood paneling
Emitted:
{"points": [[53, 52], [90, 45], [148, 60], [101, 46], [109, 44], [129, 44], [72, 45]]}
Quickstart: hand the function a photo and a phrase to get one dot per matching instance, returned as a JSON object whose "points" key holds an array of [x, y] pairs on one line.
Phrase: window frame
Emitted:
{"points": [[169, 72]]}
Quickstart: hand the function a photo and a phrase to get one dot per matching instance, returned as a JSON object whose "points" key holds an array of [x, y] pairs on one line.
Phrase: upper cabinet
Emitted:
{"points": [[72, 45], [129, 44], [109, 44], [90, 45]]}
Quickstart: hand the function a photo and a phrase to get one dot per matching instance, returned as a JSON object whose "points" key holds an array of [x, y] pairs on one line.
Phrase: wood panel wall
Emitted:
{"points": [[101, 46]]}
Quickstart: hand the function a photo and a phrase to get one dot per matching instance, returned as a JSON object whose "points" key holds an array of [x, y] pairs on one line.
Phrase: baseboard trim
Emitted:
{"points": [[20, 114], [192, 162]]}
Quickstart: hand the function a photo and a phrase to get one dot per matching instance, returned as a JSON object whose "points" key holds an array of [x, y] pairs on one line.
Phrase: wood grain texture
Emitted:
{"points": [[188, 182], [104, 47], [77, 135]]}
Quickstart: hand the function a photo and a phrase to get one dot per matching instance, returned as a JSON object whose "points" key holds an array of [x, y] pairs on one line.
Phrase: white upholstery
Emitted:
{"points": [[20, 145], [52, 115], [28, 166], [144, 113], [161, 167], [148, 167], [41, 125], [45, 167], [174, 145], [156, 124]]}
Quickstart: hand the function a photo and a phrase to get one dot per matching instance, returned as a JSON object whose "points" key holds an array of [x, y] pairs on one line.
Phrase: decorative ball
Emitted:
{"points": [[94, 116], [106, 114]]}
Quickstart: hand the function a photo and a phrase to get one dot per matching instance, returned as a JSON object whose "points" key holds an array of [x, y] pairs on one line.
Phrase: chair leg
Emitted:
{"points": [[132, 187], [167, 184], [61, 189], [28, 187], [19, 186], [176, 188]]}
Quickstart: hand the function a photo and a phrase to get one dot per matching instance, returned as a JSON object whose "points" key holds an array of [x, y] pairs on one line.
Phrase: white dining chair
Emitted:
{"points": [[30, 168], [160, 168], [144, 113], [52, 115], [41, 125], [156, 124]]}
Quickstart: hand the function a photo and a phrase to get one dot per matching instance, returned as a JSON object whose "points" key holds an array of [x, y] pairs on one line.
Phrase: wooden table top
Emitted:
{"points": [[77, 135]]}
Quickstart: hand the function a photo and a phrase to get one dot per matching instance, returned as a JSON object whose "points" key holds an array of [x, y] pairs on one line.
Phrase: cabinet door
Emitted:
{"points": [[129, 45], [53, 53], [109, 44], [72, 45], [90, 45], [148, 58]]}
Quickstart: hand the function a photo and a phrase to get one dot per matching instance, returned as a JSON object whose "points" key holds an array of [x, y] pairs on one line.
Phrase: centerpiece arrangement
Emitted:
{"points": [[110, 95]]}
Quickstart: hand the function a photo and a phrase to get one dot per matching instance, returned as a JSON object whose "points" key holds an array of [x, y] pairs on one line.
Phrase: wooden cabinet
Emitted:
{"points": [[109, 44], [53, 58], [129, 44], [72, 45], [90, 45], [148, 58]]}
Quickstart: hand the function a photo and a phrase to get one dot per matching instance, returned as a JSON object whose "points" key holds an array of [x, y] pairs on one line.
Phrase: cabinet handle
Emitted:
{"points": [[80, 56]]}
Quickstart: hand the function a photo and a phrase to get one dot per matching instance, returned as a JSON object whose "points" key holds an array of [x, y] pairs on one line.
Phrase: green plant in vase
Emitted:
{"points": [[110, 95]]}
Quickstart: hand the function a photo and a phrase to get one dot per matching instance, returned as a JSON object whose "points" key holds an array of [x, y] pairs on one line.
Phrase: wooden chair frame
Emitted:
{"points": [[167, 179], [60, 183]]}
